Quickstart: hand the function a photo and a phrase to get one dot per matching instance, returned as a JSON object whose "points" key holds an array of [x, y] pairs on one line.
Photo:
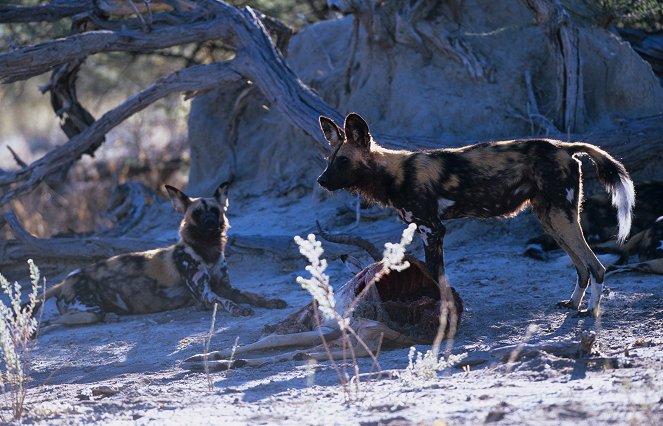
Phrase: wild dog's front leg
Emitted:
{"points": [[198, 279], [200, 287], [433, 239], [223, 288]]}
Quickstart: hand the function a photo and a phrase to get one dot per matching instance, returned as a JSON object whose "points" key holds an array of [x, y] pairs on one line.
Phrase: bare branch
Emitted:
{"points": [[199, 77], [18, 159], [34, 60], [579, 347], [51, 12], [64, 100], [350, 239], [258, 60]]}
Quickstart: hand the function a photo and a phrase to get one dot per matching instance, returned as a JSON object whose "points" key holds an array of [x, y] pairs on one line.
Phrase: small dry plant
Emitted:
{"points": [[208, 341], [423, 367], [17, 326], [325, 302]]}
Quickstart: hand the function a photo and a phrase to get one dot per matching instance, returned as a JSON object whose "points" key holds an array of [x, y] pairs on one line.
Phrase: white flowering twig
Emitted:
{"points": [[394, 253], [318, 285], [392, 260], [17, 326], [323, 294]]}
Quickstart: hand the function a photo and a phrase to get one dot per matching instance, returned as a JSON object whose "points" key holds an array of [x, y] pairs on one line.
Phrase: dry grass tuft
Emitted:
{"points": [[17, 326]]}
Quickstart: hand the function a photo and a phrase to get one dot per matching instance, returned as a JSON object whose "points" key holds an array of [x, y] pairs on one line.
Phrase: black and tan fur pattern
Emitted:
{"points": [[192, 270], [599, 224], [648, 245], [484, 180]]}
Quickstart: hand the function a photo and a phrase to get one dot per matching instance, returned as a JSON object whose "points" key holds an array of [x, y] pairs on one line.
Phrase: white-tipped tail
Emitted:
{"points": [[614, 177], [623, 198]]}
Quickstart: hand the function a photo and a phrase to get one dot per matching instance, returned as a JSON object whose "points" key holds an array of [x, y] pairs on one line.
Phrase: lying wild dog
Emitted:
{"points": [[192, 270], [401, 309], [483, 180], [599, 224], [648, 245]]}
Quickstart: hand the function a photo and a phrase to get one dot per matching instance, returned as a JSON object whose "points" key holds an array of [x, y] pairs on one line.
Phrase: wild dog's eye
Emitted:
{"points": [[342, 160], [197, 213]]}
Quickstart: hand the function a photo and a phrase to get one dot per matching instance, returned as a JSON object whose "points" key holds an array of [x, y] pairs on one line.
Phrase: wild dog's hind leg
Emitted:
{"points": [[563, 225], [77, 311]]}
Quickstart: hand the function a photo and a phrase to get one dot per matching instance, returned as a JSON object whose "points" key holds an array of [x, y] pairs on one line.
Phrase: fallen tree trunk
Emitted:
{"points": [[96, 247]]}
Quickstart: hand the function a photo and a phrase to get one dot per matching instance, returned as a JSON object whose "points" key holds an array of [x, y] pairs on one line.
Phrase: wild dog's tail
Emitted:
{"points": [[616, 180]]}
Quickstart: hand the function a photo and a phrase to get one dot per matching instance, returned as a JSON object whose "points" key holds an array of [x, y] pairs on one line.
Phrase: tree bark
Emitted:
{"points": [[256, 59], [38, 59], [564, 44], [200, 77], [54, 11]]}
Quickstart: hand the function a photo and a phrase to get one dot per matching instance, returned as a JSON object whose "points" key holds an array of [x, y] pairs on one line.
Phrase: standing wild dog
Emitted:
{"points": [[484, 180], [193, 270]]}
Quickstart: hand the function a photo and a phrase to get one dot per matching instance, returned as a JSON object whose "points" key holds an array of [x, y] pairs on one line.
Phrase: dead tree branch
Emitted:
{"points": [[86, 248], [193, 78], [59, 9], [18, 159], [54, 11], [38, 59], [256, 60], [349, 239]]}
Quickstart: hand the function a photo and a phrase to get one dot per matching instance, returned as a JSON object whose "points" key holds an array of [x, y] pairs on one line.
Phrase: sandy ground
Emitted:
{"points": [[130, 371]]}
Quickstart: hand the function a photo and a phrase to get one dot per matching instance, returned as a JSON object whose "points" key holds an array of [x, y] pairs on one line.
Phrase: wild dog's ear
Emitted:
{"points": [[332, 132], [356, 131], [179, 199], [221, 194]]}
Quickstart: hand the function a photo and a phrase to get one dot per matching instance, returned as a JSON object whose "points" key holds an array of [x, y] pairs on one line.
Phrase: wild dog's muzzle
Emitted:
{"points": [[209, 222], [323, 181]]}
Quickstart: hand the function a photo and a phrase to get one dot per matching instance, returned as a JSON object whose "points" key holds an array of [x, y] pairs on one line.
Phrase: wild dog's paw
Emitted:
{"points": [[584, 313], [241, 311], [566, 304]]}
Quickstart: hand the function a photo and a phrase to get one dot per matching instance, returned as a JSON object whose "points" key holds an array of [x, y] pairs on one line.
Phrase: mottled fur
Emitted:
{"points": [[599, 226], [495, 179], [648, 245], [192, 270]]}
